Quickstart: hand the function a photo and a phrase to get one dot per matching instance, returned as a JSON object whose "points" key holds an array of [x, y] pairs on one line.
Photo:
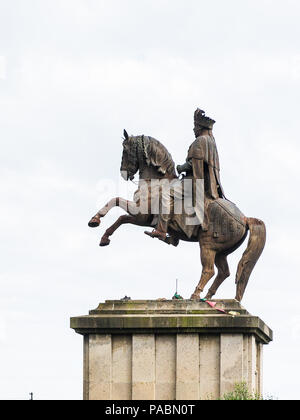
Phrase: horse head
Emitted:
{"points": [[140, 152], [129, 164]]}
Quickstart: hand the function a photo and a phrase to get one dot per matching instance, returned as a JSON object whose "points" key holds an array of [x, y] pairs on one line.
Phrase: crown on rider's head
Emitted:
{"points": [[201, 120]]}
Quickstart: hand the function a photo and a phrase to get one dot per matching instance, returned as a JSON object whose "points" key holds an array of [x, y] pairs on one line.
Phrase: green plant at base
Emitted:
{"points": [[241, 393]]}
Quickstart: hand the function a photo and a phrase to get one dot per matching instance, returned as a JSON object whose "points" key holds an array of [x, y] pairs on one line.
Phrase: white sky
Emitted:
{"points": [[73, 74]]}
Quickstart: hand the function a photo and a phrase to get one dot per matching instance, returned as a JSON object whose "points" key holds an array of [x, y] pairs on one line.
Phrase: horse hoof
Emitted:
{"points": [[104, 242], [195, 297], [94, 222]]}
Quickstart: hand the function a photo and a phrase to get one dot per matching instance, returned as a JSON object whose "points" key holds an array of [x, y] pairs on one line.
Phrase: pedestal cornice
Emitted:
{"points": [[171, 317]]}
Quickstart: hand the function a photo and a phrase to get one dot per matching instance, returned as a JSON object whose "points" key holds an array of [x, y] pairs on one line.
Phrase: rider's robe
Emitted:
{"points": [[203, 155], [204, 161]]}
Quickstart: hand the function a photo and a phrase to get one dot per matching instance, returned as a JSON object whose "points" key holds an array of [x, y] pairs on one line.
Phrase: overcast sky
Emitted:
{"points": [[73, 75]]}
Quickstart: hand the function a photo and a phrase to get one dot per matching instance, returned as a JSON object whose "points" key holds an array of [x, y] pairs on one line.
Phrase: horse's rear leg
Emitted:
{"points": [[134, 220], [223, 273], [207, 260], [129, 206]]}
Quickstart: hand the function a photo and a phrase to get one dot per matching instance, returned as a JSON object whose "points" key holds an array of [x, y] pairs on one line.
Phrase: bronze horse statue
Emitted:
{"points": [[227, 226]]}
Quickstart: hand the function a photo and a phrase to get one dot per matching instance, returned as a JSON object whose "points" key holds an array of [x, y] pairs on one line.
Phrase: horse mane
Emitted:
{"points": [[158, 156]]}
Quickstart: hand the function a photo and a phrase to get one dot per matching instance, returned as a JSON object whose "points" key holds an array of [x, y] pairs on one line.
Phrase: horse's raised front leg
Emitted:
{"points": [[207, 260], [129, 206], [140, 220]]}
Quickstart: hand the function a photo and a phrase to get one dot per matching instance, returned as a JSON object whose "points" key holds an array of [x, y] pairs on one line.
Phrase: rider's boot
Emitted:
{"points": [[161, 229], [157, 234]]}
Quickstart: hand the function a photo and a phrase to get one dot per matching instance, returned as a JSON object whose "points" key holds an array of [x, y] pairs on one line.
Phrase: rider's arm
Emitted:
{"points": [[186, 167]]}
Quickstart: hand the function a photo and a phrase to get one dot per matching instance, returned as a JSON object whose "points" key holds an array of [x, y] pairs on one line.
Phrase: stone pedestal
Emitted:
{"points": [[170, 350]]}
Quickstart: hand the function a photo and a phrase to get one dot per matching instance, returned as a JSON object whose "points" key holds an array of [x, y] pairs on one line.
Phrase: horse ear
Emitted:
{"points": [[126, 135]]}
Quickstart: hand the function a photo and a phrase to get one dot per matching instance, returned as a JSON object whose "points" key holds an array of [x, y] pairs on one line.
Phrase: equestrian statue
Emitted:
{"points": [[189, 207]]}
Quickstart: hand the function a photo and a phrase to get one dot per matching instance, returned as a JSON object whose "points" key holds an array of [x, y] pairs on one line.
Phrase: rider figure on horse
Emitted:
{"points": [[202, 163]]}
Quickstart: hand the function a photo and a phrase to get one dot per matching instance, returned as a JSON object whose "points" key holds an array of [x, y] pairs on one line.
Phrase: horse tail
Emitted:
{"points": [[253, 251]]}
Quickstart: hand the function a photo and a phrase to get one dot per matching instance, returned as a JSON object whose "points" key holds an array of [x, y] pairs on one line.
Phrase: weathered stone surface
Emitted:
{"points": [[231, 361], [186, 316], [121, 367], [209, 366], [165, 306], [259, 368], [165, 367], [249, 362], [187, 367], [100, 367], [143, 367], [167, 350]]}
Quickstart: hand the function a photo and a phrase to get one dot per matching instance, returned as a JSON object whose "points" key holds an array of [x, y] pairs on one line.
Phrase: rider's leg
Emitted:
{"points": [[165, 215]]}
